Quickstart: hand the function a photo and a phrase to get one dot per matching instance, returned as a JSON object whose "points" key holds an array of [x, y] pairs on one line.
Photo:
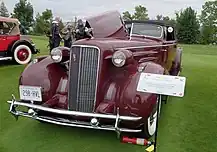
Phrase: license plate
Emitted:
{"points": [[30, 93]]}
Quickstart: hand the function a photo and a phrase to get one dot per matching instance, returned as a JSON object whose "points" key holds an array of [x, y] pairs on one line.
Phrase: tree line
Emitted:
{"points": [[191, 27], [24, 11]]}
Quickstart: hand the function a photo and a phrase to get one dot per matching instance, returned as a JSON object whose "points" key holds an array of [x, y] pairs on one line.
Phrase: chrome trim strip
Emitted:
{"points": [[64, 85], [72, 113], [5, 58], [79, 73], [69, 76], [131, 30]]}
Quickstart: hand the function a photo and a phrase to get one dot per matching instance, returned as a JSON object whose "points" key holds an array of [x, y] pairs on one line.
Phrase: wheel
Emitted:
{"points": [[150, 126], [22, 54]]}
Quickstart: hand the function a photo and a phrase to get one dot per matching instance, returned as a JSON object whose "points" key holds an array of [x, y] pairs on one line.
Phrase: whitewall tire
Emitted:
{"points": [[22, 54], [150, 126]]}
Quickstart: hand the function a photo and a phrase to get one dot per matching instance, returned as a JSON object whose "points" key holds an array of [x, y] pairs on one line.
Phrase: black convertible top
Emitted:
{"points": [[158, 22]]}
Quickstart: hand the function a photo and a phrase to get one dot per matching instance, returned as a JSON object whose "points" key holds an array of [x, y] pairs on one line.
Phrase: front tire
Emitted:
{"points": [[22, 54], [150, 126]]}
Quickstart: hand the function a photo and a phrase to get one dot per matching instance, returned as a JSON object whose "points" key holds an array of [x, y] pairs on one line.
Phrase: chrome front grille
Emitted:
{"points": [[84, 62]]}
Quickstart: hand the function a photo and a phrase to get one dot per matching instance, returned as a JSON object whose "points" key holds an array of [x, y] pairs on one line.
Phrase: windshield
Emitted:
{"points": [[147, 29]]}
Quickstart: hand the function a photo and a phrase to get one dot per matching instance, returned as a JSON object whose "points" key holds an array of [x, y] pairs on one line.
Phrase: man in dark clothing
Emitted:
{"points": [[55, 32], [82, 31], [50, 43]]}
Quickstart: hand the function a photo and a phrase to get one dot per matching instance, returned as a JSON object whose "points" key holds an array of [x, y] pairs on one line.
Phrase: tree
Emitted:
{"points": [[23, 11], [141, 13], [43, 21], [3, 10], [159, 17], [208, 20], [187, 26], [166, 18], [208, 34], [173, 22], [127, 16]]}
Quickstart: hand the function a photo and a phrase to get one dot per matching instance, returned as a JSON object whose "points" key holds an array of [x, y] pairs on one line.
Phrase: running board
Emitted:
{"points": [[5, 58]]}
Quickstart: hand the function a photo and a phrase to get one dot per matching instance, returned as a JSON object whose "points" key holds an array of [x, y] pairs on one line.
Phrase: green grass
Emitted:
{"points": [[186, 125]]}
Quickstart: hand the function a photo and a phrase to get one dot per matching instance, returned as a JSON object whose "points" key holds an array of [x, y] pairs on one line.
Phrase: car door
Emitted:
{"points": [[3, 43]]}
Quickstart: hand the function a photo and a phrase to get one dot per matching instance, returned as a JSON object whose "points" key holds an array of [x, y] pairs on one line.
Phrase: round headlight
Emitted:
{"points": [[119, 59], [56, 55]]}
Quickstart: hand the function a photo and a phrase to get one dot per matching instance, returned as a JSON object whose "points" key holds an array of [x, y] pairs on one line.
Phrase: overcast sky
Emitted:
{"points": [[67, 9]]}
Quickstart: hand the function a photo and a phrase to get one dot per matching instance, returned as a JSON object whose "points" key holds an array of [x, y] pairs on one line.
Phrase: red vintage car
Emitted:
{"points": [[13, 45], [94, 83]]}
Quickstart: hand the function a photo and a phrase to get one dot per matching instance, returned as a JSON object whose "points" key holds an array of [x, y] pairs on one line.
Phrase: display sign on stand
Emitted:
{"points": [[161, 85]]}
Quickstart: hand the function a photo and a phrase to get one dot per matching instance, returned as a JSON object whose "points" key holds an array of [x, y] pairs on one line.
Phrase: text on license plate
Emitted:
{"points": [[30, 93]]}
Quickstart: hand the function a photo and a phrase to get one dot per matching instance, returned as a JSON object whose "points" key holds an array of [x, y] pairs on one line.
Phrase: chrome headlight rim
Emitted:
{"points": [[56, 55], [119, 59]]}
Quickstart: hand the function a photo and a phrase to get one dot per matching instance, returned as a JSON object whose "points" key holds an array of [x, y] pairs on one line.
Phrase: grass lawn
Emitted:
{"points": [[186, 125]]}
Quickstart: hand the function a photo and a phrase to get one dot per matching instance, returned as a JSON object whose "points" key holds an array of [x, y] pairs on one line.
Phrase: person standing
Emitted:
{"points": [[81, 31], [55, 32], [67, 36]]}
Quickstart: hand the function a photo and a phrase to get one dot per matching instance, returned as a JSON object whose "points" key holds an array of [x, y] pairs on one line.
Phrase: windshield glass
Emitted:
{"points": [[147, 29]]}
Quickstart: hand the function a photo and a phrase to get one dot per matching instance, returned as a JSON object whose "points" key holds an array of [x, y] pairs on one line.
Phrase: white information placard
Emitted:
{"points": [[162, 84]]}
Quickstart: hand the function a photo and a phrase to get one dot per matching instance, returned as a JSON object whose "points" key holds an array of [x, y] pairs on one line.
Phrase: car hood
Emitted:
{"points": [[112, 43]]}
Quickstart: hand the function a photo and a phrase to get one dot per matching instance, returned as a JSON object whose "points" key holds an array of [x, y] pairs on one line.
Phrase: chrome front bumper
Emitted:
{"points": [[65, 122]]}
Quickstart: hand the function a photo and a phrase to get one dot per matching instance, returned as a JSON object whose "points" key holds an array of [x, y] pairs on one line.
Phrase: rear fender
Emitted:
{"points": [[177, 63]]}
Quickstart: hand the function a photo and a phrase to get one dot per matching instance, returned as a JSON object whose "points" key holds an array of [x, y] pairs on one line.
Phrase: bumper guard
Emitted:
{"points": [[94, 124]]}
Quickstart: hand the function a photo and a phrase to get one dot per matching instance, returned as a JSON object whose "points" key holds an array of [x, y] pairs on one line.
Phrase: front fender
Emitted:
{"points": [[45, 74], [136, 103], [25, 42]]}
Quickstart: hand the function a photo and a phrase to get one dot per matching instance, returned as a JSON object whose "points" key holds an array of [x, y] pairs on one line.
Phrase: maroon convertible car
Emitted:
{"points": [[93, 84]]}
